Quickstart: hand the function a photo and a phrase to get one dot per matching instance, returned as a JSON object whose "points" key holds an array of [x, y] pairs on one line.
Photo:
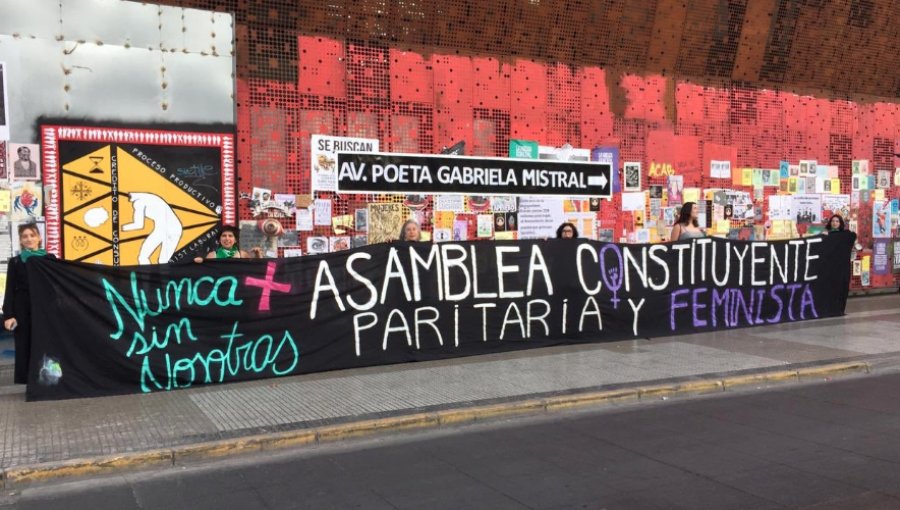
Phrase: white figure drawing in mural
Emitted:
{"points": [[166, 231]]}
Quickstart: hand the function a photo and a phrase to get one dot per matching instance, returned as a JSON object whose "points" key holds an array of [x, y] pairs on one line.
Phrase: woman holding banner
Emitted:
{"points": [[567, 231], [229, 248], [687, 228], [16, 301], [410, 231], [835, 224]]}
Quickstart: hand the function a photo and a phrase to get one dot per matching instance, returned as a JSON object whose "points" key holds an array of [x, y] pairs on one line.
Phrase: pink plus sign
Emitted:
{"points": [[267, 285]]}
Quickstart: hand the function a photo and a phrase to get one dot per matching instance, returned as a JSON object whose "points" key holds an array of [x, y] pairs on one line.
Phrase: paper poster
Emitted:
{"points": [[454, 203], [691, 195], [23, 161], [385, 221], [656, 190], [896, 256], [780, 207], [341, 224], [584, 222], [632, 175], [884, 179], [897, 176], [27, 201], [5, 200], [286, 202], [747, 177], [322, 215], [293, 251], [512, 221], [261, 195], [807, 167], [503, 203], [539, 217], [675, 187], [757, 177], [836, 204], [442, 235], [881, 263], [882, 218], [505, 236], [610, 156], [806, 208], [523, 149], [460, 230], [669, 215], [304, 220], [324, 149], [634, 201], [784, 168], [857, 267], [316, 245], [338, 243], [485, 225], [720, 169]]}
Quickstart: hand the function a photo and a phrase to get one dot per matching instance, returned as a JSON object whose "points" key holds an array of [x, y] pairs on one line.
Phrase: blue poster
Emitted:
{"points": [[609, 155]]}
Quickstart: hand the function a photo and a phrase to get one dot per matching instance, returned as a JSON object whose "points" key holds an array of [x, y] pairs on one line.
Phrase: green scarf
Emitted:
{"points": [[26, 254], [225, 253]]}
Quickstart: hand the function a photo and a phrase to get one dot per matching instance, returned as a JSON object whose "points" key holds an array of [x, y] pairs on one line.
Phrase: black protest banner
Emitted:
{"points": [[408, 173], [154, 328]]}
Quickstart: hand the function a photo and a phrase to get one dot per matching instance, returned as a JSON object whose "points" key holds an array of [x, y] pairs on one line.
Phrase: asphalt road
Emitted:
{"points": [[825, 446]]}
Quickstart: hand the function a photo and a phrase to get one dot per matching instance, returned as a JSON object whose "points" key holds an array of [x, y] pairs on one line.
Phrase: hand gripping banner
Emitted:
{"points": [[109, 330]]}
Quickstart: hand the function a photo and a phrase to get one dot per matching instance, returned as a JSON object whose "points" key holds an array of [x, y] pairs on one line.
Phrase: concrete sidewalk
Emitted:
{"points": [[45, 432]]}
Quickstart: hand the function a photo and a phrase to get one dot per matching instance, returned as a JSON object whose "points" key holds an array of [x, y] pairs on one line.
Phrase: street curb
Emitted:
{"points": [[179, 455]]}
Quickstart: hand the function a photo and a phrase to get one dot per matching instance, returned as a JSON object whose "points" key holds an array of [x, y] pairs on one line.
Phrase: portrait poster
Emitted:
{"points": [[120, 196], [23, 161], [632, 171]]}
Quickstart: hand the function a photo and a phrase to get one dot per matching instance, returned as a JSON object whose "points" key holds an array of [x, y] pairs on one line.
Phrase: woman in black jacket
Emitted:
{"points": [[16, 304]]}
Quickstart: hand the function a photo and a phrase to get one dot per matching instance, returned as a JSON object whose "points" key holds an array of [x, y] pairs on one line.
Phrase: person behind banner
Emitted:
{"points": [[686, 227], [836, 224], [16, 302], [411, 231], [567, 231], [837, 229], [229, 247]]}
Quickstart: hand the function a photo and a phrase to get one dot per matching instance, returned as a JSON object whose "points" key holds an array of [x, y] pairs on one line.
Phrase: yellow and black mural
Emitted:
{"points": [[126, 197]]}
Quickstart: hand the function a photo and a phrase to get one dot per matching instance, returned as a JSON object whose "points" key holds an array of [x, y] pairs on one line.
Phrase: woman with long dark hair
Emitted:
{"points": [[16, 302], [686, 227], [835, 224], [567, 231]]}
